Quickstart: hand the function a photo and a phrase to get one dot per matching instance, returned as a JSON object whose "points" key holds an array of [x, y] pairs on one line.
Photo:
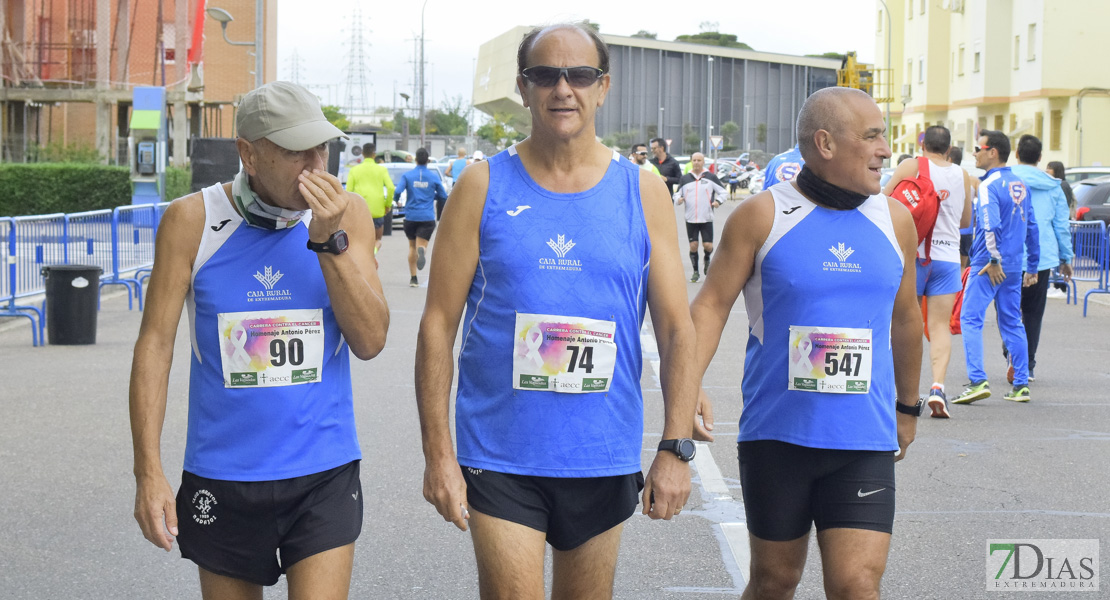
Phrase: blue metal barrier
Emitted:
{"points": [[1092, 259], [8, 307]]}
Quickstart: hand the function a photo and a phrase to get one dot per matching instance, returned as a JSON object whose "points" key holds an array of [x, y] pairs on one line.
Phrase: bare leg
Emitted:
{"points": [[510, 558], [853, 561], [940, 345], [323, 576], [221, 587], [776, 568], [587, 572], [412, 258], [378, 233]]}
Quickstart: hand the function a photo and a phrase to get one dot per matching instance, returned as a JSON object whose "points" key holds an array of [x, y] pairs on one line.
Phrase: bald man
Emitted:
{"points": [[826, 265]]}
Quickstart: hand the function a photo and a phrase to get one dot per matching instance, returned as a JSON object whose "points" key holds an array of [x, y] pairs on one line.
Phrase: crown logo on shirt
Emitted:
{"points": [[841, 252], [270, 279], [562, 246]]}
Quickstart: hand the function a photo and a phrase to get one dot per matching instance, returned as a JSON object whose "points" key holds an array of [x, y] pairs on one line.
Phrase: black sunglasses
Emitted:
{"points": [[981, 148], [641, 153], [577, 77]]}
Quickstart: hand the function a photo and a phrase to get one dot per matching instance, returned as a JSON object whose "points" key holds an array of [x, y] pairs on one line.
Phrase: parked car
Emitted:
{"points": [[396, 171], [1092, 199], [1077, 174]]}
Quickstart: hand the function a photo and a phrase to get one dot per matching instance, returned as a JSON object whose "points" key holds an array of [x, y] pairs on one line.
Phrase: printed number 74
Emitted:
{"points": [[587, 358]]}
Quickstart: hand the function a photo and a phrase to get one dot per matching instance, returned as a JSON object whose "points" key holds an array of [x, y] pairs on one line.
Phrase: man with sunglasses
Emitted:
{"points": [[668, 167], [554, 246], [639, 156], [826, 266], [1004, 221]]}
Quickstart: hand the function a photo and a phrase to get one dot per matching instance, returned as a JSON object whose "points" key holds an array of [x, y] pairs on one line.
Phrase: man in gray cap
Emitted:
{"points": [[277, 271]]}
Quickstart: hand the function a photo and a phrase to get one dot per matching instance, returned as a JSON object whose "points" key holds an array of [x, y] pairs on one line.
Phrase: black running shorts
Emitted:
{"points": [[255, 530], [703, 229], [570, 510], [788, 487], [419, 229]]}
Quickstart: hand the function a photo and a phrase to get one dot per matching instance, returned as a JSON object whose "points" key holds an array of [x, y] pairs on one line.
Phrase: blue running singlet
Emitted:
{"points": [[550, 364], [270, 384], [819, 371]]}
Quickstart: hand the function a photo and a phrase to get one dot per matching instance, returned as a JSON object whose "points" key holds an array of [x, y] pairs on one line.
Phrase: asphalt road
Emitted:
{"points": [[997, 470]]}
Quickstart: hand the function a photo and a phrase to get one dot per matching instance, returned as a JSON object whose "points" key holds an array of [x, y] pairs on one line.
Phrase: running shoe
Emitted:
{"points": [[420, 259], [694, 277], [705, 269], [1056, 293], [938, 403], [1031, 378], [975, 390], [413, 282], [1020, 393]]}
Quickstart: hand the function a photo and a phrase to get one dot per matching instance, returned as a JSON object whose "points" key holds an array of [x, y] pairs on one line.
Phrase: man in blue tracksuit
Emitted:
{"points": [[783, 167], [1004, 220], [1051, 208]]}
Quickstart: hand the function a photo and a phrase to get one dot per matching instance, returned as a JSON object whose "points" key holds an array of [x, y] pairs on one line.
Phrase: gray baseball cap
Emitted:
{"points": [[286, 114]]}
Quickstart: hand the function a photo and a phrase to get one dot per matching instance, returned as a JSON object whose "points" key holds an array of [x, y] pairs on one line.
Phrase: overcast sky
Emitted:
{"points": [[320, 31]]}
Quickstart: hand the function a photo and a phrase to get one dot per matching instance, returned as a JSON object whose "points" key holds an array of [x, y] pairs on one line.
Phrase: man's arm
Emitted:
{"points": [[176, 249], [354, 289], [1032, 240], [986, 215], [745, 230], [1060, 226], [387, 186], [667, 485], [448, 285], [906, 170], [969, 200], [906, 327]]}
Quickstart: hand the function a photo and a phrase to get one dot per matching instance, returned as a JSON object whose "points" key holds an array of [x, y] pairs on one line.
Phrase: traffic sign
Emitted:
{"points": [[716, 141]]}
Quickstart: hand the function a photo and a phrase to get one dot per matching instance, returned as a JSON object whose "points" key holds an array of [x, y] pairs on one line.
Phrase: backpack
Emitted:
{"points": [[920, 197]]}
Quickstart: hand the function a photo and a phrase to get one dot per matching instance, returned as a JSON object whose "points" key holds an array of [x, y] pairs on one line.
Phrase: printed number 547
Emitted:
{"points": [[848, 364]]}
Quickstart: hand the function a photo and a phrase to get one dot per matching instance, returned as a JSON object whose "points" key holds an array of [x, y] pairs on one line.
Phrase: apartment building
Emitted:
{"points": [[1019, 66], [68, 68]]}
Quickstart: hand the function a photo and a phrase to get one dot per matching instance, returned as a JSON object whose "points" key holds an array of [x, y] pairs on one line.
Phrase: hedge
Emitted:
{"points": [[46, 188]]}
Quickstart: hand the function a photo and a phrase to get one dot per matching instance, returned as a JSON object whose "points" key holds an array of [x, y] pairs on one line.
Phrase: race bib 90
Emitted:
{"points": [[833, 360], [563, 354], [272, 348]]}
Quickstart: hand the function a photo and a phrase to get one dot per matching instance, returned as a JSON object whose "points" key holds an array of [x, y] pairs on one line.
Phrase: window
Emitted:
{"points": [[922, 4], [960, 61], [921, 69], [952, 68], [1054, 133], [879, 25], [909, 9], [999, 122], [1013, 122], [1038, 125], [909, 71], [1031, 41], [982, 124], [975, 66], [1017, 51]]}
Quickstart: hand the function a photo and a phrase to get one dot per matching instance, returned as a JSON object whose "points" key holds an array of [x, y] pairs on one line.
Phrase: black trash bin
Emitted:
{"points": [[72, 292]]}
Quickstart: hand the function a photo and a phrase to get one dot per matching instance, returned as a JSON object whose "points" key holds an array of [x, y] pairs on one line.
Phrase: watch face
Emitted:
{"points": [[339, 241], [686, 449]]}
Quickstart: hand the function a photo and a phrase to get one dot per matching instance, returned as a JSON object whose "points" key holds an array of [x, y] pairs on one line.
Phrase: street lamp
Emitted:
{"points": [[423, 127], [709, 110], [889, 71], [225, 17]]}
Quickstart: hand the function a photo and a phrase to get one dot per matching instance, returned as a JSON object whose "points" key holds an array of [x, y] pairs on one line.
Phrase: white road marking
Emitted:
{"points": [[712, 482], [737, 536]]}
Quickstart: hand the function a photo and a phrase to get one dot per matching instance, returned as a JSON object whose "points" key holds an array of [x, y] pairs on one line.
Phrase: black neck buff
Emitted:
{"points": [[827, 194]]}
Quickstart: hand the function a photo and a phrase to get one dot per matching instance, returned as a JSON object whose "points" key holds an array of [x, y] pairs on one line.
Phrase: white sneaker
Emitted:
{"points": [[1056, 293]]}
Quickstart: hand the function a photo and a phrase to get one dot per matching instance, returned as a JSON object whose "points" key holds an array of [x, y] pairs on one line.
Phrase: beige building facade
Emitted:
{"points": [[1019, 66]]}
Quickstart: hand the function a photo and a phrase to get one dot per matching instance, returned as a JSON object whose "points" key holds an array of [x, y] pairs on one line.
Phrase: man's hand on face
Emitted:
{"points": [[328, 201]]}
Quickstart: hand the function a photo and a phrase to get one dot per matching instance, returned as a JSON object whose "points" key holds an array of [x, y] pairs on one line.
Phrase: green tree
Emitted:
{"points": [[837, 55], [728, 130], [761, 133], [643, 33], [690, 139], [336, 117], [450, 118], [713, 38], [499, 132], [592, 25], [623, 139]]}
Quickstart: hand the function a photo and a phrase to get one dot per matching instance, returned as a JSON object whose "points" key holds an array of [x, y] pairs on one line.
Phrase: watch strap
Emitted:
{"points": [[906, 409]]}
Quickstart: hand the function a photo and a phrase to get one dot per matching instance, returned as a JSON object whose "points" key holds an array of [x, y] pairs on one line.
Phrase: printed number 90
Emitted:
{"points": [[278, 352]]}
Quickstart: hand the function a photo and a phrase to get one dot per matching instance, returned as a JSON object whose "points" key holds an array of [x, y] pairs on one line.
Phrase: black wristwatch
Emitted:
{"points": [[336, 244], [683, 448], [994, 261], [906, 409]]}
